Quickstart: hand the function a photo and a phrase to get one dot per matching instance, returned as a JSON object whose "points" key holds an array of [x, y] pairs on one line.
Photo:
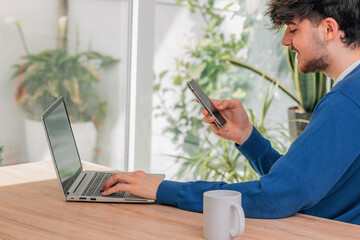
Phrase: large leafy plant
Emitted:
{"points": [[43, 77], [205, 155], [220, 160]]}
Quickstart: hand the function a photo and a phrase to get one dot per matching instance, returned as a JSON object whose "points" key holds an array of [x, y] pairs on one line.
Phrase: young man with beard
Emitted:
{"points": [[320, 173]]}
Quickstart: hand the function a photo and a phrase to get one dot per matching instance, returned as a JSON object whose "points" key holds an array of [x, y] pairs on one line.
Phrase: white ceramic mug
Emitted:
{"points": [[223, 215]]}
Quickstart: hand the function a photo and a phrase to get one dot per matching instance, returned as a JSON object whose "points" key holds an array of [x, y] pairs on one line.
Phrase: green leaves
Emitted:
{"points": [[45, 76], [266, 76], [1, 151], [195, 70], [309, 88], [206, 60], [72, 86]]}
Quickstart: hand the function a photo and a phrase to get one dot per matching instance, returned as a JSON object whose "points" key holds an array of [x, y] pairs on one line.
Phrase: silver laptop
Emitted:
{"points": [[76, 184]]}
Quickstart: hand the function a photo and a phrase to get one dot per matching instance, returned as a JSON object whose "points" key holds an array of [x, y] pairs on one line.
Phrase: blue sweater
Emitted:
{"points": [[319, 175]]}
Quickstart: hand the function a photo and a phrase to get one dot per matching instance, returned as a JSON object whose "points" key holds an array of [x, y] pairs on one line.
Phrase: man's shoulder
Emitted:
{"points": [[344, 97], [350, 87]]}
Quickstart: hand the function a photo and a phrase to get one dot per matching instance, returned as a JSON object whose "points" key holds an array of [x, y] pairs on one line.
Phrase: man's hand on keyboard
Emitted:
{"points": [[138, 183]]}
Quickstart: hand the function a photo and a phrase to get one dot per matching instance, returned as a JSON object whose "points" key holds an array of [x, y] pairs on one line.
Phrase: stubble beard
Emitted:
{"points": [[320, 62]]}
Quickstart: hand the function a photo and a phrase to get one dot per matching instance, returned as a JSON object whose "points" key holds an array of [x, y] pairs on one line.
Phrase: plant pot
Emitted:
{"points": [[297, 121], [37, 147]]}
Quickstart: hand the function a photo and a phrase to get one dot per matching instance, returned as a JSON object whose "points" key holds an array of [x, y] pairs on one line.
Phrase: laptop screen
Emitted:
{"points": [[62, 143]]}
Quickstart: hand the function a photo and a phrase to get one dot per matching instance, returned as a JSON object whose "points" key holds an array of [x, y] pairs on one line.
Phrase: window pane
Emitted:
{"points": [[86, 62], [195, 44]]}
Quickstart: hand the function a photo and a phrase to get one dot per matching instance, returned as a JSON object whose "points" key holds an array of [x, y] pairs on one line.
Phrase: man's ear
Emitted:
{"points": [[330, 28]]}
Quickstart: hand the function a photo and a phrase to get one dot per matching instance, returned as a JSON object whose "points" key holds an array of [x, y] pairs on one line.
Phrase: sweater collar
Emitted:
{"points": [[347, 71]]}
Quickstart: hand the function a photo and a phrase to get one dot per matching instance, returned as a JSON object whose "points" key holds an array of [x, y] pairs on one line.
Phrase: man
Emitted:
{"points": [[320, 174]]}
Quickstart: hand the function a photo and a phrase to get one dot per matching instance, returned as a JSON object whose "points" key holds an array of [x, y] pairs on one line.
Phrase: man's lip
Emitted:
{"points": [[295, 51]]}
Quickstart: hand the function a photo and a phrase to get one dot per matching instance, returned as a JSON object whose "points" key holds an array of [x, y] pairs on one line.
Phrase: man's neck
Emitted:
{"points": [[340, 60]]}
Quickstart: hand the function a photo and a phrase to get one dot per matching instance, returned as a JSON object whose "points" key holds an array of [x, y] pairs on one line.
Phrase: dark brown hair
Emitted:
{"points": [[345, 12]]}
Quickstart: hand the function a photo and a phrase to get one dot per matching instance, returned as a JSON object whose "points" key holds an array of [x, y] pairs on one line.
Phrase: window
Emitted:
{"points": [[97, 86], [185, 45]]}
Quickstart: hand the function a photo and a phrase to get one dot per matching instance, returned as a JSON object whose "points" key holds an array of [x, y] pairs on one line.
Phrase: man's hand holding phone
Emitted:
{"points": [[228, 118], [238, 127]]}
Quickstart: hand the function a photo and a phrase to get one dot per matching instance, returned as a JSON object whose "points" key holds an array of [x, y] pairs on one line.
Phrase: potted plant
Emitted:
{"points": [[309, 89], [43, 77]]}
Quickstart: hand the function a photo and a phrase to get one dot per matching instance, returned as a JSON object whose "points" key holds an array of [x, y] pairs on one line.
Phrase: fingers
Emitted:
{"points": [[224, 104], [118, 187], [219, 131], [117, 178], [209, 119], [221, 105], [138, 183]]}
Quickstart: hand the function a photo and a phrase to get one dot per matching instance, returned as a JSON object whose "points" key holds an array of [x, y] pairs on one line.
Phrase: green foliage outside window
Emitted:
{"points": [[207, 156], [309, 88], [1, 151], [219, 159]]}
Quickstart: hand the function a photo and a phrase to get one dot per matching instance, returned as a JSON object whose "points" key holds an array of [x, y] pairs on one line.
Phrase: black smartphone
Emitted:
{"points": [[207, 104]]}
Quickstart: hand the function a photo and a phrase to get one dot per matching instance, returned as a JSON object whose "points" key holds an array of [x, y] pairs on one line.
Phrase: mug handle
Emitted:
{"points": [[239, 229]]}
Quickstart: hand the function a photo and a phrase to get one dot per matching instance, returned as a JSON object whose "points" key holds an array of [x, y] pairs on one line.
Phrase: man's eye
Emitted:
{"points": [[293, 31]]}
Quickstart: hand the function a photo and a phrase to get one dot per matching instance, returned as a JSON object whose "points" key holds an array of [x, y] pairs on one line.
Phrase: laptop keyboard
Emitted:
{"points": [[93, 188]]}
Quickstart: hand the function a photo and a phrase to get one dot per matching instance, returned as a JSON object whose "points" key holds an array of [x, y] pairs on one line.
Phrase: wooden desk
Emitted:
{"points": [[31, 207]]}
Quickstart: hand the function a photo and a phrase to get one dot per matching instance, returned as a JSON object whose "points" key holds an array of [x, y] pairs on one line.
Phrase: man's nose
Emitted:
{"points": [[287, 40]]}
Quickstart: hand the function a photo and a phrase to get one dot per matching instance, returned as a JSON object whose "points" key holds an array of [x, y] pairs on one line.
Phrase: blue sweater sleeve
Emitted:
{"points": [[259, 152], [296, 181]]}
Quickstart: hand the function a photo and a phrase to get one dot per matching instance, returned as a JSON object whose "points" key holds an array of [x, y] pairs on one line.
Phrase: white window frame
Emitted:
{"points": [[141, 55]]}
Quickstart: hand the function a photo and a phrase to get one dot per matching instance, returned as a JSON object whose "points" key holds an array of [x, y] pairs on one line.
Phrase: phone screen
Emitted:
{"points": [[205, 101]]}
